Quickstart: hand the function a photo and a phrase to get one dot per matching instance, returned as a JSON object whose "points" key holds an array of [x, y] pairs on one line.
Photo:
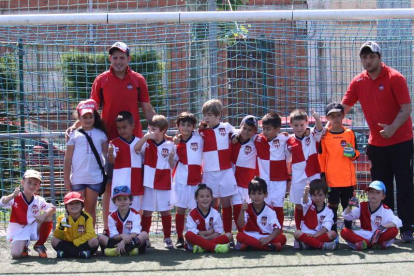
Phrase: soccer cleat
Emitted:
{"points": [[275, 246], [407, 237], [238, 246], [134, 252], [329, 245], [142, 249], [25, 252], [111, 252], [86, 254], [222, 248], [245, 247], [179, 243], [60, 254], [197, 249], [41, 250], [362, 245], [168, 243]]}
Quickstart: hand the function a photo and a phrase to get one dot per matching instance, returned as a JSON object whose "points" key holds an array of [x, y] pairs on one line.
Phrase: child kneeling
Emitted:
{"points": [[74, 236], [204, 225], [125, 235], [261, 229], [317, 219]]}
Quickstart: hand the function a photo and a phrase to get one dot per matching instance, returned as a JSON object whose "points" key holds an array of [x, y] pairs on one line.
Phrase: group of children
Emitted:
{"points": [[246, 173]]}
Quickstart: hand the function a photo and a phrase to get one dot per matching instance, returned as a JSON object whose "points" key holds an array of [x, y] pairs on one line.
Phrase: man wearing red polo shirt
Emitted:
{"points": [[385, 100]]}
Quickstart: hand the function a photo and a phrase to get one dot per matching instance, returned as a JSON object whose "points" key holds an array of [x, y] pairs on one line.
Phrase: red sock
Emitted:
{"points": [[222, 239], [350, 236], [200, 241], [146, 223], [280, 239], [166, 226], [310, 241], [227, 219], [44, 232], [280, 215], [390, 234], [236, 213], [298, 217], [179, 225], [250, 241]]}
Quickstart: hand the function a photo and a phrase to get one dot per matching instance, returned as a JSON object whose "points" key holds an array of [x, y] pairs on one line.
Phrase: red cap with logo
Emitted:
{"points": [[86, 107], [72, 196]]}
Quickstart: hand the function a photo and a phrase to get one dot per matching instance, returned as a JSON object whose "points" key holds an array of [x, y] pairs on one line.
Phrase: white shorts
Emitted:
{"points": [[136, 204], [18, 232], [183, 196], [156, 200], [367, 235], [276, 193], [223, 183], [241, 196], [297, 189]]}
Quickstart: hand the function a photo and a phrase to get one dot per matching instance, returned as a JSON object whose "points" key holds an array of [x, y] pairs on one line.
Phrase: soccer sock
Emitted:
{"points": [[179, 224], [250, 241], [335, 219], [298, 217], [200, 241], [280, 239], [68, 248], [146, 223], [236, 213], [44, 232], [390, 234], [310, 241], [166, 226], [280, 215], [350, 236], [227, 219], [222, 239]]}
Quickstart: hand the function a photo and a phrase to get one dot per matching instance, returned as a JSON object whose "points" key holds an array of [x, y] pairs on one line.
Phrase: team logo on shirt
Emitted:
{"points": [[321, 219], [197, 221], [164, 152], [128, 225], [343, 143], [307, 141], [194, 146], [378, 220], [210, 223], [276, 143], [263, 220], [381, 87], [247, 150], [81, 229], [35, 209], [222, 131], [129, 86]]}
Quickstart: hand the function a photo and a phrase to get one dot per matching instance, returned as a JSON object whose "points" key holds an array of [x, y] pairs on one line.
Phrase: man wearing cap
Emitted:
{"points": [[385, 100]]}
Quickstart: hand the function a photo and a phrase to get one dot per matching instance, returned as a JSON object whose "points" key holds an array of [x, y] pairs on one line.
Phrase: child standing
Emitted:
{"points": [[244, 159], [74, 236], [217, 169], [272, 154], [379, 225], [303, 145], [125, 235], [158, 158], [317, 219], [187, 172], [81, 170], [31, 217], [338, 151], [261, 229], [204, 225]]}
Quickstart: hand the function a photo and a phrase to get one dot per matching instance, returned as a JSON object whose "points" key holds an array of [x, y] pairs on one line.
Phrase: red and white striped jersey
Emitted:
{"points": [[130, 224], [157, 170], [128, 166], [271, 157], [189, 155], [197, 222], [216, 151], [371, 219], [244, 159], [23, 212], [304, 152], [263, 222], [314, 220]]}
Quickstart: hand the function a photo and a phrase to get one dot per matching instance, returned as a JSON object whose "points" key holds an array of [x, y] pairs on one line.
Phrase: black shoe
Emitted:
{"points": [[407, 236], [179, 243]]}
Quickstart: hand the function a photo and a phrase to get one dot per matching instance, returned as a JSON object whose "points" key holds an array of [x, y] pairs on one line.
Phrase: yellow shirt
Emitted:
{"points": [[81, 230]]}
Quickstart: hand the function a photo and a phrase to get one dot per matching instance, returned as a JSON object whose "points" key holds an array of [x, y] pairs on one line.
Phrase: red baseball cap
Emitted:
{"points": [[86, 107], [72, 196]]}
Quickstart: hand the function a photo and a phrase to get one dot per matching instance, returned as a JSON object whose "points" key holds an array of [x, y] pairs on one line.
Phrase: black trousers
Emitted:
{"points": [[395, 161]]}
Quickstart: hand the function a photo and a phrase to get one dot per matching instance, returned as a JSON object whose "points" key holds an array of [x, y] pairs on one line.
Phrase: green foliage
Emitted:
{"points": [[8, 82], [223, 5], [9, 156]]}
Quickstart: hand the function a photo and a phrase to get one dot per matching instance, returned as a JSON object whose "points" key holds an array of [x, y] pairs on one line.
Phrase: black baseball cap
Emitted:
{"points": [[334, 107]]}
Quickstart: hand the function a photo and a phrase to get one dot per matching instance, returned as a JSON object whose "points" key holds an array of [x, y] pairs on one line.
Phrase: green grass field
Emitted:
{"points": [[397, 260]]}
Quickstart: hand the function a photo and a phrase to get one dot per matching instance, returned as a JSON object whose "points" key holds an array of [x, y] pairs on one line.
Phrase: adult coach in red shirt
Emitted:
{"points": [[385, 100]]}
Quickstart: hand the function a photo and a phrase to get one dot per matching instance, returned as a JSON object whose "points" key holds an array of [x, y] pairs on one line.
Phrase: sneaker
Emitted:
{"points": [[362, 245], [407, 236], [86, 254], [60, 254], [187, 247], [329, 245], [41, 249], [222, 248], [179, 243], [275, 246], [142, 249], [25, 252], [337, 239], [168, 243], [111, 252], [105, 232], [238, 246], [134, 252], [197, 249]]}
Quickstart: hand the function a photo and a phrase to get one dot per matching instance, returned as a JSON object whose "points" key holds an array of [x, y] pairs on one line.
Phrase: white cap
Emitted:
{"points": [[372, 45], [33, 174]]}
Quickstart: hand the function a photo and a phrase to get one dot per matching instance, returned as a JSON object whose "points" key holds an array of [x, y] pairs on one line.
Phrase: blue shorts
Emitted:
{"points": [[81, 187]]}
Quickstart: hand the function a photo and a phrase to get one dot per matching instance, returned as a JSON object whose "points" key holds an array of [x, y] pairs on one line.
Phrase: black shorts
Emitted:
{"points": [[340, 194]]}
